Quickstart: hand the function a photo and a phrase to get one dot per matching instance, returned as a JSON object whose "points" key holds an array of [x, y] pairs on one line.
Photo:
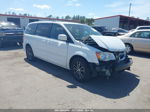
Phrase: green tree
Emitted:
{"points": [[68, 17], [50, 16], [148, 19], [89, 21]]}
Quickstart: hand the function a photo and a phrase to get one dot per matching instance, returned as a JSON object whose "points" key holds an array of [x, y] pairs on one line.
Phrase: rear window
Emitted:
{"points": [[31, 29]]}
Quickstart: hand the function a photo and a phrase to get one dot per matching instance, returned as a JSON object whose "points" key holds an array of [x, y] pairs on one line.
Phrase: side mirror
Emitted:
{"points": [[62, 37]]}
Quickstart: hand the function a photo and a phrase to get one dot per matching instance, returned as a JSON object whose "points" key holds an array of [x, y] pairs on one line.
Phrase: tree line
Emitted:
{"points": [[82, 19]]}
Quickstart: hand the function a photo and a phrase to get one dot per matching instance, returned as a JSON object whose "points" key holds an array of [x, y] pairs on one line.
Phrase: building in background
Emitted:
{"points": [[120, 21], [22, 21]]}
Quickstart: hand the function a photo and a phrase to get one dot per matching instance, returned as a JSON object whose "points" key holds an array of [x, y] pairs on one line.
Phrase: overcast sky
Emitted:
{"points": [[89, 8]]}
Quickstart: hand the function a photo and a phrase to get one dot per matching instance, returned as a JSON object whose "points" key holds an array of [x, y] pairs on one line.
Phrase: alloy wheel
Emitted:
{"points": [[79, 70], [29, 53], [128, 48]]}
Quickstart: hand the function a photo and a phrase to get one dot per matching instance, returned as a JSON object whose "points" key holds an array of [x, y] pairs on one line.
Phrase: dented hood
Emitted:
{"points": [[113, 44]]}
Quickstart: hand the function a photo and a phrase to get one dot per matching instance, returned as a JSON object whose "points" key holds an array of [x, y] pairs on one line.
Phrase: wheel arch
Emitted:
{"points": [[130, 45], [76, 56], [27, 45]]}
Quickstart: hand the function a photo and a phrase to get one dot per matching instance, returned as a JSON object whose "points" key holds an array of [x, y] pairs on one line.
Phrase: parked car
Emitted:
{"points": [[10, 33], [142, 27], [138, 40], [100, 29], [120, 31], [103, 30], [113, 32], [76, 47]]}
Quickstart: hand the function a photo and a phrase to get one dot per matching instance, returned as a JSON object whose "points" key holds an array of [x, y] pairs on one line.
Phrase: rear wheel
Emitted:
{"points": [[129, 48], [81, 70], [1, 44], [29, 53]]}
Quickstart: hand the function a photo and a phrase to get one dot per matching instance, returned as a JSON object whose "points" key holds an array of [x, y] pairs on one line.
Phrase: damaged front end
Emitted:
{"points": [[110, 67], [109, 61]]}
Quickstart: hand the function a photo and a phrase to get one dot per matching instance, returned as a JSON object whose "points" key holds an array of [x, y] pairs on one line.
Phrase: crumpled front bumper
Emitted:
{"points": [[125, 65], [107, 68]]}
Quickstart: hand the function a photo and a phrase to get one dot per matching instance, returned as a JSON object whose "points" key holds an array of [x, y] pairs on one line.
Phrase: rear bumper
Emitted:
{"points": [[107, 68]]}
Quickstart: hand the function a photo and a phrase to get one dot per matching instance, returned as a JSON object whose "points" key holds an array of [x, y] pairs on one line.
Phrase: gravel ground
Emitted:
{"points": [[41, 85]]}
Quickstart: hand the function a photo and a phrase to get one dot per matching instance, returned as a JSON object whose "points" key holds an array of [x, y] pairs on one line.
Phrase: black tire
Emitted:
{"points": [[80, 69], [29, 53], [1, 44], [129, 48]]}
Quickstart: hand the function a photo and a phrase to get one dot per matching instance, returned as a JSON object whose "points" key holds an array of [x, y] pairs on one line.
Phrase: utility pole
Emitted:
{"points": [[130, 9]]}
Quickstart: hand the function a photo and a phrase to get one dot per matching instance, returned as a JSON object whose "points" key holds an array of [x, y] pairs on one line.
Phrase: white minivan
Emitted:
{"points": [[76, 47]]}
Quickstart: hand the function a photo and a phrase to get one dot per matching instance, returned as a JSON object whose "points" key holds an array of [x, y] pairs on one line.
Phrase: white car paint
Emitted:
{"points": [[109, 42], [60, 52]]}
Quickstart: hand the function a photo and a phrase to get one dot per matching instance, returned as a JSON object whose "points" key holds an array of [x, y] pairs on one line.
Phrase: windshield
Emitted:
{"points": [[81, 31], [7, 25]]}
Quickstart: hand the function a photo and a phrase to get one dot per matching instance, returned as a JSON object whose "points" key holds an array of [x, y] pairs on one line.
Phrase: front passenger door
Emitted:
{"points": [[58, 49], [141, 41]]}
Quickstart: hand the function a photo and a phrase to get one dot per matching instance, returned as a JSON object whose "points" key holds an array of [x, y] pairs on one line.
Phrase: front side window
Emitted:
{"points": [[56, 30], [30, 29], [43, 29], [135, 35], [80, 32], [144, 34]]}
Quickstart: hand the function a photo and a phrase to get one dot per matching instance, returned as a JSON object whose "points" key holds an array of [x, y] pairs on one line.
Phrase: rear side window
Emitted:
{"points": [[56, 30], [43, 29], [31, 29]]}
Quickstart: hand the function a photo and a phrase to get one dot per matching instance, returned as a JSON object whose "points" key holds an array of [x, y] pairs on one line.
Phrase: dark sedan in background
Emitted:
{"points": [[114, 32], [10, 33]]}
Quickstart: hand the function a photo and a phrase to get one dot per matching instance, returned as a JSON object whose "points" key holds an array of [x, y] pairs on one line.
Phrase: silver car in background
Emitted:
{"points": [[142, 27], [138, 40]]}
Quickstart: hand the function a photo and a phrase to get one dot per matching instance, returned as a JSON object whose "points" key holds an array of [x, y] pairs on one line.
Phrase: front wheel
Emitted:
{"points": [[81, 70], [129, 48]]}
